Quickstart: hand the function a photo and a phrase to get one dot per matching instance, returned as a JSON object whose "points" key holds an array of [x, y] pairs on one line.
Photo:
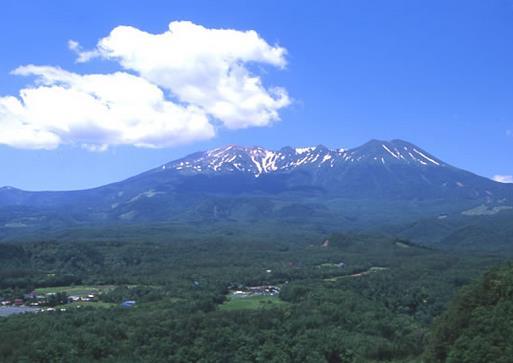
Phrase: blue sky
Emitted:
{"points": [[436, 73]]}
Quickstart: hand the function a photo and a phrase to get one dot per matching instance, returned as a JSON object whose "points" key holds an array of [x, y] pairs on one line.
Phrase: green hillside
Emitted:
{"points": [[478, 326]]}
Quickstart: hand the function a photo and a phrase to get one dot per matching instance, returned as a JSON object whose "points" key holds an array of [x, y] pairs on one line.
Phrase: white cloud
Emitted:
{"points": [[83, 56], [96, 111], [201, 66], [182, 82], [503, 178]]}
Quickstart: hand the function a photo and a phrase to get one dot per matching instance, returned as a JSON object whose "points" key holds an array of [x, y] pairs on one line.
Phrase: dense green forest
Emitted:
{"points": [[345, 298], [478, 326]]}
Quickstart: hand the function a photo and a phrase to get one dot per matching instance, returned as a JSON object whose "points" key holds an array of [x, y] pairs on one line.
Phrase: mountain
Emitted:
{"points": [[257, 161], [379, 183], [378, 170]]}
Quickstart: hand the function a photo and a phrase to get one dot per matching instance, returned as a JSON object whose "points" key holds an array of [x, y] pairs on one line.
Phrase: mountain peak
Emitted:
{"points": [[257, 160], [394, 151], [254, 160]]}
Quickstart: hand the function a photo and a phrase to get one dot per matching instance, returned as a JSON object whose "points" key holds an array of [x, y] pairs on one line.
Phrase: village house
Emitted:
{"points": [[266, 290], [30, 296]]}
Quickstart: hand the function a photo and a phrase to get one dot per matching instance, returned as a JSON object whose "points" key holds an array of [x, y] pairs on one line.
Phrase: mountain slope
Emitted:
{"points": [[380, 182], [378, 169]]}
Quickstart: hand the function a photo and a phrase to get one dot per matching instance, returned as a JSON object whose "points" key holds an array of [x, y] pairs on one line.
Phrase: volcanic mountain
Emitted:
{"points": [[380, 182], [378, 169]]}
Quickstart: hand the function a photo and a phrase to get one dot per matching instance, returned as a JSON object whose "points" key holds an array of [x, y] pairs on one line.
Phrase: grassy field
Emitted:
{"points": [[251, 303], [78, 290]]}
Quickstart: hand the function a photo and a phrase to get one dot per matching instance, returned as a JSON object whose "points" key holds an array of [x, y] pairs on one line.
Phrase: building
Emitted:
{"points": [[128, 304]]}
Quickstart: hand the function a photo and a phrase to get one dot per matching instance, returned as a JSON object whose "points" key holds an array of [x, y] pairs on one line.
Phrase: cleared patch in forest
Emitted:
{"points": [[251, 303]]}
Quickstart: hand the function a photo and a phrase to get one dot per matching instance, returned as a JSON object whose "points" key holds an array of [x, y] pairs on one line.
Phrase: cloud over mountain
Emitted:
{"points": [[503, 178], [175, 87]]}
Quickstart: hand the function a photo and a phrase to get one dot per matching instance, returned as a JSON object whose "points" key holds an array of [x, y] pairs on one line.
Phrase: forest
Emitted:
{"points": [[342, 298]]}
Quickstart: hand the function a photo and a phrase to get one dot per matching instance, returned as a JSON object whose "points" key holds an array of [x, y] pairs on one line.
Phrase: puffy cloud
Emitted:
{"points": [[175, 87], [95, 111], [200, 66], [503, 178]]}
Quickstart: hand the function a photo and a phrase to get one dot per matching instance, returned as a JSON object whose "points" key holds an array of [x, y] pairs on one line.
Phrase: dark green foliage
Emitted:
{"points": [[478, 326], [383, 314]]}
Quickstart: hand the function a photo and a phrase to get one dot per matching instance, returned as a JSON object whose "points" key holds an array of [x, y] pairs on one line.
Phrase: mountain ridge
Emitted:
{"points": [[377, 151], [258, 160], [377, 183]]}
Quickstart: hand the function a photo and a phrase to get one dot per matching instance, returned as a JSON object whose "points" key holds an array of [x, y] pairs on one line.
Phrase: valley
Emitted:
{"points": [[244, 254], [256, 181], [378, 306]]}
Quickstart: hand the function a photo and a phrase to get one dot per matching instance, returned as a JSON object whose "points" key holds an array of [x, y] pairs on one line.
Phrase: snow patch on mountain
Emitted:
{"points": [[258, 161], [302, 150]]}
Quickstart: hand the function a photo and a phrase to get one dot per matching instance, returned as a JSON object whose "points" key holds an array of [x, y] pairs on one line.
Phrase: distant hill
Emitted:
{"points": [[381, 183]]}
